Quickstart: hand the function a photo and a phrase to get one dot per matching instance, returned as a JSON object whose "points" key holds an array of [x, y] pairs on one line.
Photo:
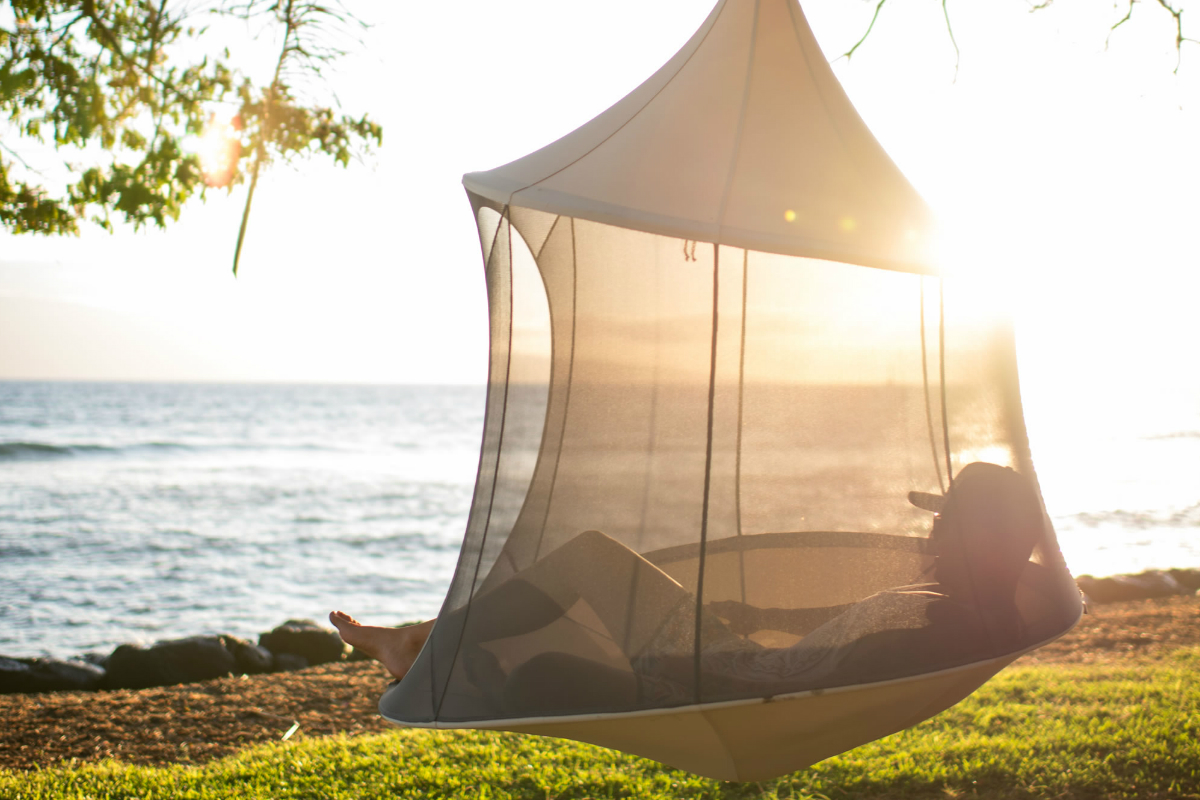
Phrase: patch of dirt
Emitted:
{"points": [[192, 723], [1133, 630], [204, 721]]}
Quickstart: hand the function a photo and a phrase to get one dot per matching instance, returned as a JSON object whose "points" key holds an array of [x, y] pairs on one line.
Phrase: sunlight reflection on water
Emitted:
{"points": [[1120, 474]]}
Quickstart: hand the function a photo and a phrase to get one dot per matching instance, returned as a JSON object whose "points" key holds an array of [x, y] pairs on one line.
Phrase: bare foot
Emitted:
{"points": [[395, 648]]}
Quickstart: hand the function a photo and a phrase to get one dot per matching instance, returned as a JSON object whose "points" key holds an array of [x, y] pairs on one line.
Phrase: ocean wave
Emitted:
{"points": [[1183, 518], [36, 451], [1174, 435], [14, 451], [15, 551], [41, 451]]}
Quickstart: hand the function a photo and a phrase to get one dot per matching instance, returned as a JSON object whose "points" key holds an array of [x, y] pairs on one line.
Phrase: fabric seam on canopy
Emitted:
{"points": [[711, 24], [741, 124], [552, 201], [499, 453]]}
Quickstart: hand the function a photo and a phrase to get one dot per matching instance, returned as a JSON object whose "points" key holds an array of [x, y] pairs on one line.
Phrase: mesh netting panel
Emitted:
{"points": [[695, 475]]}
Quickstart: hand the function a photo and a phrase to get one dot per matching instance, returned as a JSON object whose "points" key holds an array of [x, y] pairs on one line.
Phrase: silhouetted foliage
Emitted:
{"points": [[122, 88], [1170, 6]]}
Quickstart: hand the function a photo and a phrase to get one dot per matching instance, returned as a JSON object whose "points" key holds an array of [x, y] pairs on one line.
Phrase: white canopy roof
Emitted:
{"points": [[744, 138]]}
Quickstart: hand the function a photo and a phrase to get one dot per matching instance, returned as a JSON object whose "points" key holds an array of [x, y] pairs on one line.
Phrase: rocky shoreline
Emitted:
{"points": [[1142, 586], [294, 645], [298, 644]]}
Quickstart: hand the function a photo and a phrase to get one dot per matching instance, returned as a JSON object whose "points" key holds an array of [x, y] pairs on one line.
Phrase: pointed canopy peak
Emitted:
{"points": [[744, 138]]}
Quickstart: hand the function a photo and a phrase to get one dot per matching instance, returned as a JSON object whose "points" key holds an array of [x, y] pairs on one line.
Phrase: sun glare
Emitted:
{"points": [[219, 149]]}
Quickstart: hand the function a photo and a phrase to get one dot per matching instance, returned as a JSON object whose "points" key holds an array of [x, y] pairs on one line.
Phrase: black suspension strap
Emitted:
{"points": [[737, 460], [712, 385], [942, 376], [937, 461]]}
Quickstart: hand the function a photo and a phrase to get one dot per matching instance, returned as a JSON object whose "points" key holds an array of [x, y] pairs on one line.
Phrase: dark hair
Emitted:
{"points": [[992, 520]]}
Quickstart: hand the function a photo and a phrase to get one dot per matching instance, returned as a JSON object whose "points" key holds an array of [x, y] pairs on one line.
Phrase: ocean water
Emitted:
{"points": [[1120, 476], [136, 512]]}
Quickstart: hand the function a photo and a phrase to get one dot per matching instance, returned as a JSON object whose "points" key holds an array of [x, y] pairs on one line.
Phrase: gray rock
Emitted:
{"points": [[289, 662], [251, 659], [96, 659], [28, 675], [303, 637], [1143, 586], [1187, 578], [196, 658]]}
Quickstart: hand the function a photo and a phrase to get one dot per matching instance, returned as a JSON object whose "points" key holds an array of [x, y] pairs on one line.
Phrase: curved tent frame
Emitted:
{"points": [[764, 737], [718, 338]]}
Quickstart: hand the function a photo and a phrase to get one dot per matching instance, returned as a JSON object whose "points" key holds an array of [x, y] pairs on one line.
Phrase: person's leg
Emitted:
{"points": [[558, 683], [395, 648], [631, 596]]}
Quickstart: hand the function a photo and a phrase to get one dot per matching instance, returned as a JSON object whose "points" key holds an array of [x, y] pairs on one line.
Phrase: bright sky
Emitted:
{"points": [[1072, 166]]}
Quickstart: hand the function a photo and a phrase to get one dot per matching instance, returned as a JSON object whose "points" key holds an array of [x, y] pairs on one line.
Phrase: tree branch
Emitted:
{"points": [[879, 7], [1119, 23], [110, 39], [260, 153], [1177, 13], [65, 29], [953, 41], [111, 44], [151, 58], [17, 156], [115, 79]]}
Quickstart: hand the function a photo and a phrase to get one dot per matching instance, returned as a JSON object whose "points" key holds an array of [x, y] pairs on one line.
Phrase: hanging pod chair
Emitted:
{"points": [[728, 390]]}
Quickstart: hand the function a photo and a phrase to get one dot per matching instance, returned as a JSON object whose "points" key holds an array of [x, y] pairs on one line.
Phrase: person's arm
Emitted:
{"points": [[744, 619]]}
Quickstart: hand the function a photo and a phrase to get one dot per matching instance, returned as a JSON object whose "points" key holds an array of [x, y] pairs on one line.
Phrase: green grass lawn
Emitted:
{"points": [[1053, 732]]}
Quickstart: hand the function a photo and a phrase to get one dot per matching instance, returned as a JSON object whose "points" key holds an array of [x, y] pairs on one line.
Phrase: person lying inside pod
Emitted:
{"points": [[988, 525]]}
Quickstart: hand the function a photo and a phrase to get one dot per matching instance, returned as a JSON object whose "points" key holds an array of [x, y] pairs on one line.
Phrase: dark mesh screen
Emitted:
{"points": [[695, 475]]}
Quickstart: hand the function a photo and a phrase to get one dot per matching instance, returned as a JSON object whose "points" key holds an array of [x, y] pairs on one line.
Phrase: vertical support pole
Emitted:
{"points": [[737, 471], [506, 302], [712, 386], [942, 376], [937, 461]]}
